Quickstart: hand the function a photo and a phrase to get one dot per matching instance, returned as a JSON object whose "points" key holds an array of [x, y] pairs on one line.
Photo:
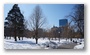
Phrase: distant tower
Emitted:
{"points": [[63, 22]]}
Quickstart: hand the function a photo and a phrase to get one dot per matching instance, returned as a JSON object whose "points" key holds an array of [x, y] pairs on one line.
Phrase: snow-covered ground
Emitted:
{"points": [[80, 44], [30, 43]]}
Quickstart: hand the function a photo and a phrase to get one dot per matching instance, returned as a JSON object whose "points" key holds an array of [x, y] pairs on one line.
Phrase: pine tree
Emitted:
{"points": [[16, 21]]}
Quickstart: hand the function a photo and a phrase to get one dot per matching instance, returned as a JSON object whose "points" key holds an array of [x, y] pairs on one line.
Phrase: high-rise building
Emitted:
{"points": [[63, 22]]}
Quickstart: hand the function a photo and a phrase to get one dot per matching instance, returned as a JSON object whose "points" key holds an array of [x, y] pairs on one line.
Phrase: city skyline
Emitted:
{"points": [[53, 12], [26, 27]]}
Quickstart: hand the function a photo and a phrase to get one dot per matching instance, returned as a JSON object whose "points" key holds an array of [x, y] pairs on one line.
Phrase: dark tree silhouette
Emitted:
{"points": [[16, 21], [5, 29], [78, 18], [36, 21]]}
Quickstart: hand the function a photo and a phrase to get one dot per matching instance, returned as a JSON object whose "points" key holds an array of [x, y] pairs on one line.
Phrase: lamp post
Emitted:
{"points": [[59, 36]]}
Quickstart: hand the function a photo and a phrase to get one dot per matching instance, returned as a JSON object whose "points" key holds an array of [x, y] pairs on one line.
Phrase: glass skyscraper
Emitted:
{"points": [[63, 22]]}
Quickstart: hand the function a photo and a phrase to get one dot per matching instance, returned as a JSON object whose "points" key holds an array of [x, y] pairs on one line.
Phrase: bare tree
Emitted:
{"points": [[36, 21], [77, 17]]}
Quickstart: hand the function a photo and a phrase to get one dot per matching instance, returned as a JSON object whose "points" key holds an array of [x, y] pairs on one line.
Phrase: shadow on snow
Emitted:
{"points": [[23, 42]]}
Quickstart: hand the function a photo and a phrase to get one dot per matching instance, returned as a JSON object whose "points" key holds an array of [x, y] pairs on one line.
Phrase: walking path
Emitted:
{"points": [[67, 46]]}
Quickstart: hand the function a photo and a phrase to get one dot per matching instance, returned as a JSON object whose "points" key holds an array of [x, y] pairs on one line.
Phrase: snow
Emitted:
{"points": [[80, 44], [30, 43], [21, 44]]}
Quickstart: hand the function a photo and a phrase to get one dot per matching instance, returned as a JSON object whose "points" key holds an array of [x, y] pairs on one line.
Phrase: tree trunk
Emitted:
{"points": [[59, 39], [36, 36], [15, 34], [36, 40], [19, 37], [15, 38], [22, 38]]}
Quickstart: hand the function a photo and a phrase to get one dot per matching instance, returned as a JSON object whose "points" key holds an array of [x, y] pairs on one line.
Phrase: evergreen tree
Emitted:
{"points": [[16, 21]]}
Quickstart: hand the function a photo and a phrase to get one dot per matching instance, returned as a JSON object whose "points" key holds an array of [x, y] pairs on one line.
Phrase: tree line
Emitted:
{"points": [[16, 25]]}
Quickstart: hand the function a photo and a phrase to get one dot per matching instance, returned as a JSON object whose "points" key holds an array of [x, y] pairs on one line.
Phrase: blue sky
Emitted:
{"points": [[53, 12]]}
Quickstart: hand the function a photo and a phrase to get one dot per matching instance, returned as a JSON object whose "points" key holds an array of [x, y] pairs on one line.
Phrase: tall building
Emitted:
{"points": [[63, 22]]}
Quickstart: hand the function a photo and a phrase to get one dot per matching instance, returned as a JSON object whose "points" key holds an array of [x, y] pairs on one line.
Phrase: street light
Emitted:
{"points": [[59, 36]]}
